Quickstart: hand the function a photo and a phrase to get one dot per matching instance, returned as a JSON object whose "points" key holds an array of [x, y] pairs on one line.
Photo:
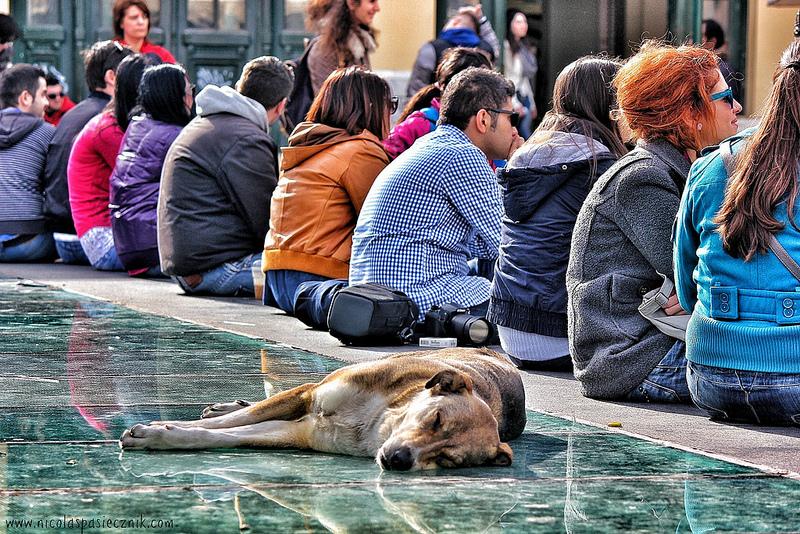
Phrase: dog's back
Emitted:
{"points": [[496, 380]]}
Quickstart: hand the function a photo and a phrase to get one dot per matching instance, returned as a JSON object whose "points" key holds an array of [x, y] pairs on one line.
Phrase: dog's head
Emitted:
{"points": [[445, 425]]}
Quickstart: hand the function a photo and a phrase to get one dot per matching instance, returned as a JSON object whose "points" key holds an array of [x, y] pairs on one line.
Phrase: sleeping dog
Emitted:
{"points": [[418, 410]]}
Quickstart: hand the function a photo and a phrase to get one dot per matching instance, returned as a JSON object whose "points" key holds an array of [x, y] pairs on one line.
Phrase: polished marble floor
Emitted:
{"points": [[76, 371]]}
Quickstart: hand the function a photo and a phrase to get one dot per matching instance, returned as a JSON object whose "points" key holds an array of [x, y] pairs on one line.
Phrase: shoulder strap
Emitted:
{"points": [[783, 256], [774, 245], [728, 159]]}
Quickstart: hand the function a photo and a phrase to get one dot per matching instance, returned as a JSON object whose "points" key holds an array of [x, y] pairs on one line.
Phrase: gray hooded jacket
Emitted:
{"points": [[622, 238], [216, 185]]}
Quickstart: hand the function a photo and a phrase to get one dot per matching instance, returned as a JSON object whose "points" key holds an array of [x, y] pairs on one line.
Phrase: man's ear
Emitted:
{"points": [[503, 457], [24, 100], [483, 121], [449, 381], [110, 77]]}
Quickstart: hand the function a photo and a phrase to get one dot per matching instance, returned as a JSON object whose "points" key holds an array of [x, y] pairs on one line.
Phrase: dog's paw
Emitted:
{"points": [[223, 408], [163, 436]]}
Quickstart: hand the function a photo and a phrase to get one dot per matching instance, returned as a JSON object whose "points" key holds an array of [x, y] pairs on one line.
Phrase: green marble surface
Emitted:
{"points": [[76, 372]]}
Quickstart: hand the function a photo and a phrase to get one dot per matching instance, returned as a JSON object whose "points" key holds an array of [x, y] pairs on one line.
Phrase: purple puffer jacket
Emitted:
{"points": [[134, 190]]}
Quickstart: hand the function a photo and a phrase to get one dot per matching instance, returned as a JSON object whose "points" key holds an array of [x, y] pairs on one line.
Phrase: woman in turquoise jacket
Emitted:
{"points": [[743, 340]]}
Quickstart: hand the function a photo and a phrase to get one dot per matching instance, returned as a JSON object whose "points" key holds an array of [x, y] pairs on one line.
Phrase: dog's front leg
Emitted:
{"points": [[286, 405], [267, 434]]}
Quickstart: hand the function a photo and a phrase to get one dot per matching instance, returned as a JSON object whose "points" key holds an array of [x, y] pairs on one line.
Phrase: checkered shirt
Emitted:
{"points": [[431, 210]]}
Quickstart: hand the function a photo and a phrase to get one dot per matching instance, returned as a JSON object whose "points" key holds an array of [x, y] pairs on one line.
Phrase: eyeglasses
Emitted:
{"points": [[726, 95], [513, 116], [53, 96], [393, 103]]}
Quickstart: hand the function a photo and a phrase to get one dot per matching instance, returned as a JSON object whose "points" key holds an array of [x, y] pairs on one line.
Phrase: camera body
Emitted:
{"points": [[452, 320]]}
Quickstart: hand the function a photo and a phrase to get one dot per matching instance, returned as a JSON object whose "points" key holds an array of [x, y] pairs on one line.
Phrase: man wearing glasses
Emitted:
{"points": [[435, 210], [58, 102]]}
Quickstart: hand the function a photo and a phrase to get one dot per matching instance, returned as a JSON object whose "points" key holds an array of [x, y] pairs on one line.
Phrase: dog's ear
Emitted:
{"points": [[503, 457], [449, 381]]}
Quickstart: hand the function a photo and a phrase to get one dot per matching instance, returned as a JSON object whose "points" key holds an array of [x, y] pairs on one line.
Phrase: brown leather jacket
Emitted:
{"points": [[326, 174]]}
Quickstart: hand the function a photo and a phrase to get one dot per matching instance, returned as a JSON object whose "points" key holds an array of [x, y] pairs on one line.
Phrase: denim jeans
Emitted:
{"points": [[667, 381], [70, 249], [280, 287], [40, 247], [745, 396], [311, 299], [98, 243], [231, 279]]}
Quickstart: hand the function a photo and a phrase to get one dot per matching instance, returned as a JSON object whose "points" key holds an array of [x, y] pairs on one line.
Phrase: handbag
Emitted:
{"points": [[372, 314], [652, 309]]}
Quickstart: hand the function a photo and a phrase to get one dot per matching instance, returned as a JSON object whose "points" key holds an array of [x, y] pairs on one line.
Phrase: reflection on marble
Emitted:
{"points": [[78, 371]]}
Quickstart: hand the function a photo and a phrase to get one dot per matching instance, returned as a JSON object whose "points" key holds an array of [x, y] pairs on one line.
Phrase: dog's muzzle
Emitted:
{"points": [[399, 459]]}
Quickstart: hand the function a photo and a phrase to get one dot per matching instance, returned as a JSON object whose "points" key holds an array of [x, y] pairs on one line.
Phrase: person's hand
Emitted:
{"points": [[476, 11], [516, 142], [672, 306]]}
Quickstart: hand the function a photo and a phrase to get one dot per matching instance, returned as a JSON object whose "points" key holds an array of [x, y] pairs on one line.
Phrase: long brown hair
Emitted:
{"points": [[334, 21], [583, 99], [765, 173], [355, 100]]}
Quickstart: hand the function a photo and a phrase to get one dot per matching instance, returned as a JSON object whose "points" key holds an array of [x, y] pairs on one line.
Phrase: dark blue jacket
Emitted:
{"points": [[134, 190], [544, 187]]}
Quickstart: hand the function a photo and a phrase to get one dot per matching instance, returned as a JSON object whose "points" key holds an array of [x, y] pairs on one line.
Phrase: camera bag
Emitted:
{"points": [[372, 314]]}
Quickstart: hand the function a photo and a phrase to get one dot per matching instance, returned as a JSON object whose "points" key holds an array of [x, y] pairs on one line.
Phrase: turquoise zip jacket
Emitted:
{"points": [[745, 315]]}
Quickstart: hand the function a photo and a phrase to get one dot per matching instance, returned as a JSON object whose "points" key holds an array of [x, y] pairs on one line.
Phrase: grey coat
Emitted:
{"points": [[622, 237]]}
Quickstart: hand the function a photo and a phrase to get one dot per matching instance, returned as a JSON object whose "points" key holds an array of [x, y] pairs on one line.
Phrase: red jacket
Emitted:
{"points": [[150, 48], [93, 157]]}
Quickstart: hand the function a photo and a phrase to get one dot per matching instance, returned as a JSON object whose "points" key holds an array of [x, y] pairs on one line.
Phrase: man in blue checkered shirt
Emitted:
{"points": [[438, 205]]}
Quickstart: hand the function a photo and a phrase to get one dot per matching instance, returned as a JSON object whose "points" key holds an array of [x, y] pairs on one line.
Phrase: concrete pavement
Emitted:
{"points": [[773, 449]]}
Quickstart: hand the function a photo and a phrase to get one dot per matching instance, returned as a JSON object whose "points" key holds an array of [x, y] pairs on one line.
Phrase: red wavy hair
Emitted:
{"points": [[664, 91]]}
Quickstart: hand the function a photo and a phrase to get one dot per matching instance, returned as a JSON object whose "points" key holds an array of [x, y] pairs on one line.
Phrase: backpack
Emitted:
{"points": [[302, 94], [372, 314]]}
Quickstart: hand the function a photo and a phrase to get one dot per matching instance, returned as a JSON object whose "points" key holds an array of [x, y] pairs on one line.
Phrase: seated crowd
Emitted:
{"points": [[554, 239]]}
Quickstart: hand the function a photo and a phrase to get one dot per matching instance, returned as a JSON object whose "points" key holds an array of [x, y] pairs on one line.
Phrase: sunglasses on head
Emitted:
{"points": [[53, 96], [726, 95], [513, 116]]}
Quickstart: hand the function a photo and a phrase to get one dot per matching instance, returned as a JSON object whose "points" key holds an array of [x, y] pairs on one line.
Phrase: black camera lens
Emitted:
{"points": [[475, 330]]}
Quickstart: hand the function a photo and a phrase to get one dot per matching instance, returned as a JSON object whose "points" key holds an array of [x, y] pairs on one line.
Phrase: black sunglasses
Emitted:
{"points": [[53, 96], [513, 116], [393, 103]]}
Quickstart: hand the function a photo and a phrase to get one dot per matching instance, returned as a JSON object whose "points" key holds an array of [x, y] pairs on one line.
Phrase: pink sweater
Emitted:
{"points": [[93, 157], [405, 133]]}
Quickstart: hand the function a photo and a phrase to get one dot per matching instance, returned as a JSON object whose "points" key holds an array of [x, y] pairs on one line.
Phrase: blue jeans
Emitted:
{"points": [[667, 381], [231, 279], [40, 247], [98, 244], [70, 249], [745, 396], [281, 286], [306, 296]]}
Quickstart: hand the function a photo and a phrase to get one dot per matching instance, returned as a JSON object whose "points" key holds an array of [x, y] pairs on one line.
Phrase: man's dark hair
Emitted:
{"points": [[161, 94], [9, 31], [267, 80], [470, 91], [52, 79], [17, 79], [99, 58], [714, 31]]}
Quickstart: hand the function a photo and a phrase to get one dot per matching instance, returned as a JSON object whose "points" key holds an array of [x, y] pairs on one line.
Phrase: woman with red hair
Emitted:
{"points": [[676, 102]]}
